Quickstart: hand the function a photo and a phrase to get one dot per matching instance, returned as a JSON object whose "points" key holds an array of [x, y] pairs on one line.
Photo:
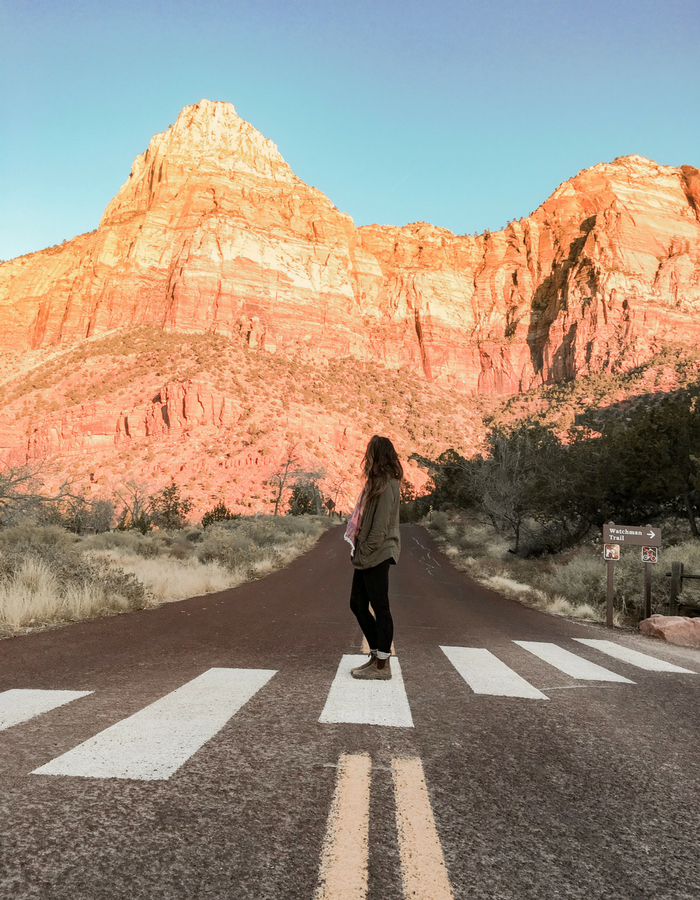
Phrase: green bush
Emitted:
{"points": [[168, 508], [220, 513]]}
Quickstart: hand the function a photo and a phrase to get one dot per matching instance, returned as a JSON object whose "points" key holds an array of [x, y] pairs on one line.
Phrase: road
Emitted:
{"points": [[249, 781]]}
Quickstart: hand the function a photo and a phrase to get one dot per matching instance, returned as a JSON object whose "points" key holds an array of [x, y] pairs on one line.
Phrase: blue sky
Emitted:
{"points": [[463, 113]]}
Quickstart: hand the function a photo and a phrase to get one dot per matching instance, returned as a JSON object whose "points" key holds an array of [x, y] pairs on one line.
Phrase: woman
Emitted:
{"points": [[373, 533]]}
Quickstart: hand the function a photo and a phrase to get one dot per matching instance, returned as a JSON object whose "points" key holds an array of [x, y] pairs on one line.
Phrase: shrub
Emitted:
{"points": [[44, 577], [49, 543], [581, 580], [82, 515], [220, 513], [166, 579], [259, 543], [131, 541], [168, 509]]}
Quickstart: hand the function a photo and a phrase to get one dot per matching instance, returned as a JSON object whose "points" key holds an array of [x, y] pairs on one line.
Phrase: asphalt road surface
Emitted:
{"points": [[218, 748]]}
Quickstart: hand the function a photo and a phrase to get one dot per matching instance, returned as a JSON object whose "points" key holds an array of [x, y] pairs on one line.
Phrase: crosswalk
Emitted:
{"points": [[155, 742], [633, 657]]}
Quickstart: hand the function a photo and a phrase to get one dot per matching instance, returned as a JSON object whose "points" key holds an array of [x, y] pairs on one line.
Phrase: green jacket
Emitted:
{"points": [[379, 538]]}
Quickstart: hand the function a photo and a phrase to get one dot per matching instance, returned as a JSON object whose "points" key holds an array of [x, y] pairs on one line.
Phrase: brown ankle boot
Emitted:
{"points": [[370, 662], [373, 672]]}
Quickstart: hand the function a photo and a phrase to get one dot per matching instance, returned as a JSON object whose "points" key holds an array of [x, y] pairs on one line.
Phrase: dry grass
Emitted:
{"points": [[165, 579], [571, 584], [555, 604], [48, 576], [34, 595]]}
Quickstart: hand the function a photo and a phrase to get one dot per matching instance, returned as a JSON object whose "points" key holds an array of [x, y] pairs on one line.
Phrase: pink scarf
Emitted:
{"points": [[355, 521]]}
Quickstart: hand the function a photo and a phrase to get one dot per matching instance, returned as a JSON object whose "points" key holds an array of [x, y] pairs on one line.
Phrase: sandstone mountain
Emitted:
{"points": [[213, 235], [213, 232]]}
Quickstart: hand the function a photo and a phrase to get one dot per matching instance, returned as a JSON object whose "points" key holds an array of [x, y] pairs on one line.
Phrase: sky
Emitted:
{"points": [[462, 113]]}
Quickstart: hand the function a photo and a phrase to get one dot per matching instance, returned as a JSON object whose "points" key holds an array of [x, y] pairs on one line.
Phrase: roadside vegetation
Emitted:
{"points": [[525, 516], [571, 582], [520, 486], [61, 561]]}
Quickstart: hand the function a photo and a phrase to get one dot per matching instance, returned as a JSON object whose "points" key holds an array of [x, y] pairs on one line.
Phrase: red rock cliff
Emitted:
{"points": [[213, 232]]}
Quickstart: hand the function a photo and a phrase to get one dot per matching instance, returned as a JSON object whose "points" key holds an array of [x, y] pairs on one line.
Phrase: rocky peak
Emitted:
{"points": [[208, 140], [214, 233]]}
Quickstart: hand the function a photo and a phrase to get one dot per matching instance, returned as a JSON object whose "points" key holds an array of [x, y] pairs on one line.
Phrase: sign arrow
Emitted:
{"points": [[651, 534]]}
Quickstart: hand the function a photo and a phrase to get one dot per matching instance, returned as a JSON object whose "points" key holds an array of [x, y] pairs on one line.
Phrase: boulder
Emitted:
{"points": [[681, 630]]}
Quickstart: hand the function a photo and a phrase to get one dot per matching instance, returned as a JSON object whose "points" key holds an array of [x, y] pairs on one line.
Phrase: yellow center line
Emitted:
{"points": [[343, 870], [423, 870]]}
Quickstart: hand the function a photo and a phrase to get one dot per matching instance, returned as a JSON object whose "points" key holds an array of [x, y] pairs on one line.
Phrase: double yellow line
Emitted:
{"points": [[343, 871]]}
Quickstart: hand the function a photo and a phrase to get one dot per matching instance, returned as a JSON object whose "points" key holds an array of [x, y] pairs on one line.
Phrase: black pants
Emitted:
{"points": [[371, 586]]}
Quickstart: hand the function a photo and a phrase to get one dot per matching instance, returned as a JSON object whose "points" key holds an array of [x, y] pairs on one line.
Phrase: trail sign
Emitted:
{"points": [[646, 536], [643, 535]]}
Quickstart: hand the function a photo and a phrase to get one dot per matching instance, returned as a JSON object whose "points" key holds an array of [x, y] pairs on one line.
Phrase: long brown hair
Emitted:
{"points": [[380, 464]]}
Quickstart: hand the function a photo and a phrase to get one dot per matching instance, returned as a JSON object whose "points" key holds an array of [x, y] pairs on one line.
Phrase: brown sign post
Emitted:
{"points": [[610, 591], [649, 539], [650, 555]]}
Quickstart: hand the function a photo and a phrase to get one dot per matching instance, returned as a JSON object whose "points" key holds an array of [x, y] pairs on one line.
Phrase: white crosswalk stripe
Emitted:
{"points": [[633, 657], [154, 742], [570, 663], [367, 702], [486, 674], [21, 704]]}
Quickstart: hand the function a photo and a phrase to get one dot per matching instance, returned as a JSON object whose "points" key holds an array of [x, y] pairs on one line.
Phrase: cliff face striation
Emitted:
{"points": [[224, 314], [213, 232]]}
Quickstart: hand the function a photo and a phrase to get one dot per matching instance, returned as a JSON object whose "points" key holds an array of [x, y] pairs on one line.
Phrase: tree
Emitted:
{"points": [[101, 515], [336, 489], [504, 480], [553, 492], [412, 508], [286, 470], [647, 466], [527, 483], [514, 482], [22, 494], [306, 497], [80, 514], [451, 476], [135, 499], [168, 509]]}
